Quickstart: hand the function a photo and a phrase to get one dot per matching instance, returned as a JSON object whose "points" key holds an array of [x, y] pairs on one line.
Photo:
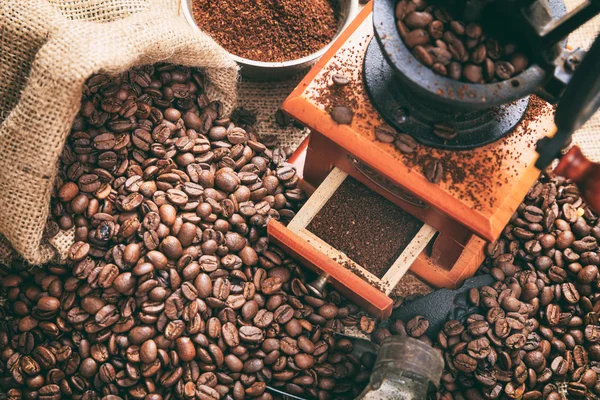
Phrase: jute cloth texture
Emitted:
{"points": [[48, 49]]}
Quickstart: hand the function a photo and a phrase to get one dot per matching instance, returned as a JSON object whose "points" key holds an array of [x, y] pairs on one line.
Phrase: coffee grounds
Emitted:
{"points": [[368, 228], [268, 30]]}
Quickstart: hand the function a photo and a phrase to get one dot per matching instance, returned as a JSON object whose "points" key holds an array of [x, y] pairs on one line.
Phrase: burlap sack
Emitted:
{"points": [[48, 48]]}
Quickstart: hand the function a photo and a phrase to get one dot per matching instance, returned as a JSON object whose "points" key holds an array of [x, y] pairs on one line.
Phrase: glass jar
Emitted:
{"points": [[404, 370]]}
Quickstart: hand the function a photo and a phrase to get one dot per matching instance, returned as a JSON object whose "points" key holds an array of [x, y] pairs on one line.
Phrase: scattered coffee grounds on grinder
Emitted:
{"points": [[454, 49], [268, 30], [368, 228]]}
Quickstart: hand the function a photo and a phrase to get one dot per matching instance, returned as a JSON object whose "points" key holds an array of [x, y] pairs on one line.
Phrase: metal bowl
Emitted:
{"points": [[281, 70]]}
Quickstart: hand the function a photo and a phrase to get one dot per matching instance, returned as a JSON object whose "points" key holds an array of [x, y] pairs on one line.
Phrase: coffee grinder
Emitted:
{"points": [[488, 168]]}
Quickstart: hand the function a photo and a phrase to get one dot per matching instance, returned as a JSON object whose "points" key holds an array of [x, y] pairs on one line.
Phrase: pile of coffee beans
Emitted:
{"points": [[454, 49], [537, 335], [172, 289], [77, 339], [537, 332]]}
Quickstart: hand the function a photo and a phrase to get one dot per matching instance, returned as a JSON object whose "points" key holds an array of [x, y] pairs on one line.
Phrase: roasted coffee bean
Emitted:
{"points": [[304, 361], [271, 285], [367, 325], [328, 311], [263, 319], [444, 131], [48, 303], [282, 119], [504, 70], [564, 240], [49, 392], [434, 172], [290, 346], [473, 73], [417, 326], [340, 80], [559, 366], [251, 334], [552, 314], [453, 328], [342, 115], [405, 143], [397, 328], [514, 390], [465, 363], [455, 70], [441, 56], [385, 134], [423, 56], [478, 328], [479, 54], [418, 19], [417, 37], [68, 192], [79, 251], [592, 333], [479, 348]]}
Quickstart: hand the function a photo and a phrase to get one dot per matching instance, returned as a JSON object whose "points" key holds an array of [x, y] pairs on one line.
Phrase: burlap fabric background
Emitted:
{"points": [[48, 48]]}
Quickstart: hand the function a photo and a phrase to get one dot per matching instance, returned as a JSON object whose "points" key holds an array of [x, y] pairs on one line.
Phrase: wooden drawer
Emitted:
{"points": [[435, 257]]}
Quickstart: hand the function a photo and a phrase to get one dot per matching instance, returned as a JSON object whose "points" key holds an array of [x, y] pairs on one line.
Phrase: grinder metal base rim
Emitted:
{"points": [[408, 114]]}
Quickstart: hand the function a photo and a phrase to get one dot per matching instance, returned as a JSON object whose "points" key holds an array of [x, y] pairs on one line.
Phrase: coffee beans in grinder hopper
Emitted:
{"points": [[452, 48], [172, 289]]}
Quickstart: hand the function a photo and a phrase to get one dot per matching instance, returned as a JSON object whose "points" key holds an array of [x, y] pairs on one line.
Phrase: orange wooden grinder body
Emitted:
{"points": [[462, 222]]}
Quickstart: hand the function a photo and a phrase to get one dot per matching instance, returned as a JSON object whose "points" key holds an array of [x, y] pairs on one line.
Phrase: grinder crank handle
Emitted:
{"points": [[578, 104]]}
